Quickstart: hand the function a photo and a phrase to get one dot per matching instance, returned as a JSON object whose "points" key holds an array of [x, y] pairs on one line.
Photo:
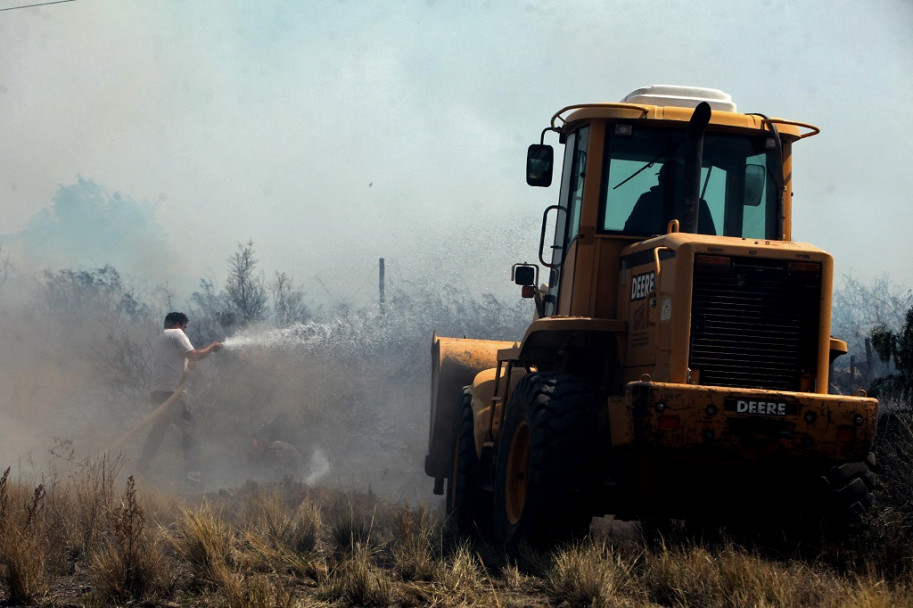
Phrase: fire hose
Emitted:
{"points": [[152, 416]]}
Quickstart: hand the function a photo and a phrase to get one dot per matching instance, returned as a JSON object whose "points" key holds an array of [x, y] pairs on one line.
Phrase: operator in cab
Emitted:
{"points": [[663, 203]]}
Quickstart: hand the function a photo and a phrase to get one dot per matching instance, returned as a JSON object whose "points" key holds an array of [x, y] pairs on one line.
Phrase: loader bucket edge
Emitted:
{"points": [[454, 363]]}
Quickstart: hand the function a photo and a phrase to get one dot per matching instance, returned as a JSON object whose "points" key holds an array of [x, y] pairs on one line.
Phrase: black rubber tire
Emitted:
{"points": [[850, 491], [468, 505], [547, 461]]}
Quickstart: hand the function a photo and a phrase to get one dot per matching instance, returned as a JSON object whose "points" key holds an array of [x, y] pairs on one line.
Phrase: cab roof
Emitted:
{"points": [[675, 103]]}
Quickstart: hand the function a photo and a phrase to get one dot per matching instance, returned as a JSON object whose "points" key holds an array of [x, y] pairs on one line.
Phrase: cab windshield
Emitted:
{"points": [[644, 179]]}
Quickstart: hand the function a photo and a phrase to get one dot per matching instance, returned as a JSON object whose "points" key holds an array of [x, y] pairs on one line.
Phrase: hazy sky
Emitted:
{"points": [[332, 133]]}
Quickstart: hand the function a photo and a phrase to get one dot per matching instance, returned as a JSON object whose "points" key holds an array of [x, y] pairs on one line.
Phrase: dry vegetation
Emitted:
{"points": [[85, 536], [83, 532]]}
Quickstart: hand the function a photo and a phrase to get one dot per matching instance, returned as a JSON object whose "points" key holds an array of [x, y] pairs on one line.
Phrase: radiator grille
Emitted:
{"points": [[755, 326]]}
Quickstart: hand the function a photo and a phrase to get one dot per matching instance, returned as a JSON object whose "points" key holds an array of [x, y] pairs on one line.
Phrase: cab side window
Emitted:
{"points": [[567, 224]]}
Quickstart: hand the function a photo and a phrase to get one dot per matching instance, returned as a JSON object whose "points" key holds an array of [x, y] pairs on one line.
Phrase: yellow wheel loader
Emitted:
{"points": [[677, 362]]}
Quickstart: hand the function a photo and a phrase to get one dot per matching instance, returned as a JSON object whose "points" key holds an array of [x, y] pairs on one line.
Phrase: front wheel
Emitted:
{"points": [[468, 505], [547, 460]]}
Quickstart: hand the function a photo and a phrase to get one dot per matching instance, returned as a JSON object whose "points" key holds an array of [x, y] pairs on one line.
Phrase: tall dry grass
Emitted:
{"points": [[129, 564], [208, 545], [284, 544], [83, 498], [419, 534], [24, 548], [357, 579], [594, 574]]}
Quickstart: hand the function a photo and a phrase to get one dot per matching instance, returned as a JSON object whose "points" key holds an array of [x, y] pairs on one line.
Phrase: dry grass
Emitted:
{"points": [[305, 526], [291, 545], [358, 520], [460, 573], [593, 574], [730, 576], [358, 580], [84, 499], [418, 533], [129, 565], [24, 550], [207, 544]]}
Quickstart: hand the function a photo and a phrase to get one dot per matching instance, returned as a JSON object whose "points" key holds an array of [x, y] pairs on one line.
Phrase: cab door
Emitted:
{"points": [[567, 221]]}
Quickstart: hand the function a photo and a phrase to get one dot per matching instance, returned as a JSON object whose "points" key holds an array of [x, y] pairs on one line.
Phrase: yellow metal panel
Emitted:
{"points": [[454, 363], [489, 408], [620, 422], [788, 129], [750, 423]]}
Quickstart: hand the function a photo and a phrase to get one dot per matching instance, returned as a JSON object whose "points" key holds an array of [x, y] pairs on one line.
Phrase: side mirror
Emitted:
{"points": [[754, 184], [540, 159], [525, 274]]}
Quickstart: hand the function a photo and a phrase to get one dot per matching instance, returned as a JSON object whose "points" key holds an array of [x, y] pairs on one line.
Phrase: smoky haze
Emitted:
{"points": [[337, 397], [340, 132], [150, 139]]}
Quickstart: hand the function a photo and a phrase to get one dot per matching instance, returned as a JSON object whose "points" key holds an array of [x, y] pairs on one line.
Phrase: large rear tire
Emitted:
{"points": [[468, 505], [850, 493], [547, 461]]}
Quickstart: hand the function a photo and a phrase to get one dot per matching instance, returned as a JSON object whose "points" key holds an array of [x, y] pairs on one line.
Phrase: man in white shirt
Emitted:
{"points": [[171, 354]]}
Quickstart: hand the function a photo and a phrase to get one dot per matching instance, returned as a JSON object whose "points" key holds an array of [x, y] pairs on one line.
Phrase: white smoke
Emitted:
{"points": [[318, 467]]}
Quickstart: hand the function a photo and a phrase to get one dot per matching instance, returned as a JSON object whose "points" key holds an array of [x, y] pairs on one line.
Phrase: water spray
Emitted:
{"points": [[287, 338], [340, 337]]}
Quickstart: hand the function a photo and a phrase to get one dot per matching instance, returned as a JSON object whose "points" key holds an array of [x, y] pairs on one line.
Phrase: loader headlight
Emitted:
{"points": [[804, 269], [719, 264], [669, 422], [846, 433]]}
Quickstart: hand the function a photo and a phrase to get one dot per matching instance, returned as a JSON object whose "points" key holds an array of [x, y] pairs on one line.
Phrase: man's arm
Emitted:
{"points": [[201, 353]]}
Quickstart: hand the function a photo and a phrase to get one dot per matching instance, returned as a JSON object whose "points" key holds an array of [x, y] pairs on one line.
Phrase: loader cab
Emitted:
{"points": [[623, 181]]}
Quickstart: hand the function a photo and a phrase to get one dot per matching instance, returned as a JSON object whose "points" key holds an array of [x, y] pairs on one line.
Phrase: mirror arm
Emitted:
{"points": [[542, 135]]}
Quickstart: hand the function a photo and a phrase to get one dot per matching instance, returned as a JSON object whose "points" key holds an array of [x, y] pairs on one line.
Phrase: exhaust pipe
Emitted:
{"points": [[693, 161]]}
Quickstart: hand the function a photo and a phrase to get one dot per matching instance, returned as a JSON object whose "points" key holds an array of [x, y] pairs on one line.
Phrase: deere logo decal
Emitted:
{"points": [[641, 285], [760, 406]]}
